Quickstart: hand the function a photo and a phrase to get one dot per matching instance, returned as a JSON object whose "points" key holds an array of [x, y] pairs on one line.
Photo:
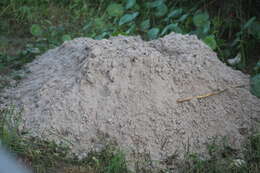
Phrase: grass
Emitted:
{"points": [[47, 157], [224, 159]]}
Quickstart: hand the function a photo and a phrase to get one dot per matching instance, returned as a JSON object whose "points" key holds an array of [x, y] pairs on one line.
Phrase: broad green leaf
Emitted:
{"points": [[175, 13], [255, 30], [257, 67], [36, 30], [172, 27], [145, 25], [130, 4], [249, 23], [177, 29], [210, 41], [206, 27], [99, 23], [87, 26], [168, 27], [153, 33], [183, 17], [115, 10], [255, 85], [131, 29], [200, 19], [154, 4], [136, 7], [161, 10], [235, 42], [103, 35], [128, 18], [66, 37]]}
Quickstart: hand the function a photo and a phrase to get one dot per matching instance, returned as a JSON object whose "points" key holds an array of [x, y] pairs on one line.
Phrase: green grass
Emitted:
{"points": [[224, 159], [46, 156]]}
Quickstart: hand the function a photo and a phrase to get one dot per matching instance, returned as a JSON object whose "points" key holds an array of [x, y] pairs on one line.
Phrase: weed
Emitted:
{"points": [[222, 158]]}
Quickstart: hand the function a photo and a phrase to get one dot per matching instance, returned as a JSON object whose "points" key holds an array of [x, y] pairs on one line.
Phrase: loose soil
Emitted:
{"points": [[125, 91]]}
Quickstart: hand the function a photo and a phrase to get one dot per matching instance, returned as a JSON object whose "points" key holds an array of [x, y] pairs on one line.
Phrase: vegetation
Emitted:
{"points": [[223, 158], [30, 27], [47, 157], [231, 28]]}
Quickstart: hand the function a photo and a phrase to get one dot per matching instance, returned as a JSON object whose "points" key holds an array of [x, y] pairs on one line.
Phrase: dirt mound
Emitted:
{"points": [[125, 90]]}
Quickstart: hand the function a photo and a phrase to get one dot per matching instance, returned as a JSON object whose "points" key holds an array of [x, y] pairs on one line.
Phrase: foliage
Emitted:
{"points": [[127, 18], [153, 33], [150, 19], [255, 85], [109, 160], [222, 158], [228, 27], [115, 10], [41, 155], [210, 41], [36, 30]]}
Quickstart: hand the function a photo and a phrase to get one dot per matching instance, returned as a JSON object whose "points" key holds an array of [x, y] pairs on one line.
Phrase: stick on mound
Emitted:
{"points": [[147, 97]]}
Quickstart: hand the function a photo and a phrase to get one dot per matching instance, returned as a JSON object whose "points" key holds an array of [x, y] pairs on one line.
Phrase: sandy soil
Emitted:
{"points": [[125, 91]]}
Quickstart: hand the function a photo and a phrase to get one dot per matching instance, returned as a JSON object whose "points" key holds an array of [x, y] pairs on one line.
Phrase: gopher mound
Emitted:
{"points": [[133, 93]]}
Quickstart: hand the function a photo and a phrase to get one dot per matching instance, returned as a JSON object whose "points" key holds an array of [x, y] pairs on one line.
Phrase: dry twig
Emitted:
{"points": [[206, 95]]}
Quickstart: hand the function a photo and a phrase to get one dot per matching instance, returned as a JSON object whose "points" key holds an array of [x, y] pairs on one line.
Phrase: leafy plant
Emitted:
{"points": [[130, 4], [210, 41], [255, 85], [174, 14], [227, 27], [128, 18], [257, 68], [115, 10], [66, 37], [145, 25], [171, 28], [36, 30], [47, 156], [201, 20], [153, 33]]}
